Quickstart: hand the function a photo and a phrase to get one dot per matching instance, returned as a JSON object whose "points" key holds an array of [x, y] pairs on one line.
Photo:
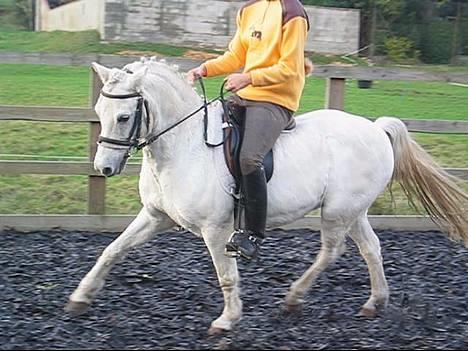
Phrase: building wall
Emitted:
{"points": [[75, 16], [172, 21], [333, 30], [190, 22], [194, 22]]}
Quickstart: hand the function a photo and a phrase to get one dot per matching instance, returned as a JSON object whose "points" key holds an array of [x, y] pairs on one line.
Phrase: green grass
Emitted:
{"points": [[419, 100], [88, 42], [84, 42], [36, 85]]}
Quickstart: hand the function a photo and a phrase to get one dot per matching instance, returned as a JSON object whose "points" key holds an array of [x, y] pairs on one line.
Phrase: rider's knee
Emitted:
{"points": [[249, 164]]}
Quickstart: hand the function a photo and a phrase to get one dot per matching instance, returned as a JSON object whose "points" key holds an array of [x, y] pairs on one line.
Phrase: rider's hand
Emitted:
{"points": [[196, 73], [238, 81]]}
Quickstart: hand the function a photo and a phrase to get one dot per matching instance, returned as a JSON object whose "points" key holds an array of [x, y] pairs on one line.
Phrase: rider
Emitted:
{"points": [[269, 45]]}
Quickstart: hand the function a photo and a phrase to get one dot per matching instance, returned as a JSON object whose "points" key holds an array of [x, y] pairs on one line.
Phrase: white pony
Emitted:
{"points": [[334, 161]]}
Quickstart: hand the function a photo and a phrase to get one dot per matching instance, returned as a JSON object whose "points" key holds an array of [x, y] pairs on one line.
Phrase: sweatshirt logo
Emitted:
{"points": [[257, 34], [254, 33]]}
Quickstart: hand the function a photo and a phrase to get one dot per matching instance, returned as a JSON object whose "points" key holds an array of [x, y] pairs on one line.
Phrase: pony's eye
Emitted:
{"points": [[123, 118]]}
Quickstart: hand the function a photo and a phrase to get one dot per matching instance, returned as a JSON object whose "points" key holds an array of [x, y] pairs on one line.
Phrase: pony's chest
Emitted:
{"points": [[185, 199]]}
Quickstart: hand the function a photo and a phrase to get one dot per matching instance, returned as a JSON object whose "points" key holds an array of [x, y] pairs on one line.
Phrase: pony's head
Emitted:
{"points": [[121, 111], [134, 103]]}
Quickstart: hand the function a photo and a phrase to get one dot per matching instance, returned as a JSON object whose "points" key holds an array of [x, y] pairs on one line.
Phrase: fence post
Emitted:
{"points": [[96, 184], [335, 93]]}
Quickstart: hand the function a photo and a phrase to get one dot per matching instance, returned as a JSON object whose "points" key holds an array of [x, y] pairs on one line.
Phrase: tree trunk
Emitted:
{"points": [[373, 29], [456, 31]]}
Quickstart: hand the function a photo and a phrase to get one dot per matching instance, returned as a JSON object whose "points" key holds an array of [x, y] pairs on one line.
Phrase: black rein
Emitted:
{"points": [[133, 140]]}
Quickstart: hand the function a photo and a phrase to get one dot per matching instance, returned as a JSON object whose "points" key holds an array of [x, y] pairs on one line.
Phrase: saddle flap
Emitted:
{"points": [[233, 128]]}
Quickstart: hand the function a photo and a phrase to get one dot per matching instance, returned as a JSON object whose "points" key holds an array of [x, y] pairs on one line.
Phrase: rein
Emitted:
{"points": [[133, 140]]}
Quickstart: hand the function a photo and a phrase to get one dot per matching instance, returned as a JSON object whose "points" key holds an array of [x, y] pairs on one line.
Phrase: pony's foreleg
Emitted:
{"points": [[369, 246], [332, 237], [228, 277], [143, 228]]}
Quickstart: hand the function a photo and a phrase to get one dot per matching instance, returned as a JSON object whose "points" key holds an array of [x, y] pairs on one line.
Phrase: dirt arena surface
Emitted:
{"points": [[165, 295]]}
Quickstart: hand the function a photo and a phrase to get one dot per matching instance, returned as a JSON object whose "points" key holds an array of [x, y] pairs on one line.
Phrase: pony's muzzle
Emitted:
{"points": [[110, 162], [107, 171]]}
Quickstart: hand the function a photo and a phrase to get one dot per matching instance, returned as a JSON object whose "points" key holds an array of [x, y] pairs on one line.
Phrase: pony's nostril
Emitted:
{"points": [[107, 171]]}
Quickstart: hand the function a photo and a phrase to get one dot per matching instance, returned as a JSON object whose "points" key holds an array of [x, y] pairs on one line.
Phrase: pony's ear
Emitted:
{"points": [[138, 76], [103, 72]]}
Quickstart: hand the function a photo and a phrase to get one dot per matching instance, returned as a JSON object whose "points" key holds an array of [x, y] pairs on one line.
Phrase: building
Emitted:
{"points": [[188, 22]]}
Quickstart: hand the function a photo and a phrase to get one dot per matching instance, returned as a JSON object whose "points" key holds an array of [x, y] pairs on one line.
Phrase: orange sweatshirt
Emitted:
{"points": [[269, 45]]}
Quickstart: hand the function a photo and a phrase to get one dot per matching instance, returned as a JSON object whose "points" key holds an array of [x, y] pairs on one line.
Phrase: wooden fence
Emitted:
{"points": [[97, 220]]}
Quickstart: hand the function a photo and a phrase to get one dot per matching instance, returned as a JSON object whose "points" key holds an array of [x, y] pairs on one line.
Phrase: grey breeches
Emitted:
{"points": [[263, 124]]}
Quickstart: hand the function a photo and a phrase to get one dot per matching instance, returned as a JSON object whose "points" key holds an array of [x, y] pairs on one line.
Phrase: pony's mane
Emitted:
{"points": [[153, 64], [160, 68], [116, 76]]}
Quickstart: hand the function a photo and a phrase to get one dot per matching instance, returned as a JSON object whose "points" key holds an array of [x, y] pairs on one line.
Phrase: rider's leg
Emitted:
{"points": [[263, 124]]}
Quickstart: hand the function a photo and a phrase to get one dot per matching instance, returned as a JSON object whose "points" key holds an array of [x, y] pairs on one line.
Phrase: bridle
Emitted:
{"points": [[134, 140]]}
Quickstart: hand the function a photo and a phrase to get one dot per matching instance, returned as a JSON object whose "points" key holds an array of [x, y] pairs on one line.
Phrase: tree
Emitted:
{"points": [[24, 13], [415, 19]]}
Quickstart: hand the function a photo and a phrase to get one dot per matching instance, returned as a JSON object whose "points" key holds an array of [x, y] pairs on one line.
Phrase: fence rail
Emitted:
{"points": [[11, 168], [64, 114], [117, 223], [96, 218], [47, 114]]}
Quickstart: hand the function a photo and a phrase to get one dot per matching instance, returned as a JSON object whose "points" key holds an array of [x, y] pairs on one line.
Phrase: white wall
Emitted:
{"points": [[212, 24], [333, 30], [190, 22], [75, 16]]}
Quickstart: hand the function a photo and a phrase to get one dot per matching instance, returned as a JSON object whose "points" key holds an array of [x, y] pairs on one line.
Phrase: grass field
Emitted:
{"points": [[86, 42], [75, 42], [69, 86]]}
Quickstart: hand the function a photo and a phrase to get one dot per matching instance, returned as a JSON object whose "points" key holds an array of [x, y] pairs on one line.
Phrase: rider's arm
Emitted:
{"points": [[291, 61], [232, 60]]}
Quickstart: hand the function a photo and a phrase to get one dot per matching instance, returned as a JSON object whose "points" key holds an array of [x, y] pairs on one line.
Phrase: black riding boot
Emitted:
{"points": [[245, 243]]}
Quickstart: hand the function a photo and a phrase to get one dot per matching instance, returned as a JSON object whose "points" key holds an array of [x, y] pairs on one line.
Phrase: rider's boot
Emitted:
{"points": [[245, 243]]}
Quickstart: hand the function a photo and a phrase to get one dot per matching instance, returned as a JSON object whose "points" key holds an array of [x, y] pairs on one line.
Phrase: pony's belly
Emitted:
{"points": [[299, 179], [290, 204]]}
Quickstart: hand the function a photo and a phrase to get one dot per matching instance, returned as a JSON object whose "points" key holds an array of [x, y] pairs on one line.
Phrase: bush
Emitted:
{"points": [[24, 13], [436, 42], [399, 49]]}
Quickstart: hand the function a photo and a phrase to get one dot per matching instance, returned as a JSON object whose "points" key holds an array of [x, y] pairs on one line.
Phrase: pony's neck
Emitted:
{"points": [[169, 104]]}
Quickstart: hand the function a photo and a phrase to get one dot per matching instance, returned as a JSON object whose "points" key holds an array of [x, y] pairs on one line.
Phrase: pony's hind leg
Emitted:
{"points": [[369, 246], [333, 237], [143, 228]]}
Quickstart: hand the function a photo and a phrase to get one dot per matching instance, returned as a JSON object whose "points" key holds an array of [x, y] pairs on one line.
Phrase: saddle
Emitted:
{"points": [[233, 131]]}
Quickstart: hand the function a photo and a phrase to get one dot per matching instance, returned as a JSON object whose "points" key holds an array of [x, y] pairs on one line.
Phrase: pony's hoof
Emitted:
{"points": [[368, 312], [214, 331], [292, 309], [76, 308]]}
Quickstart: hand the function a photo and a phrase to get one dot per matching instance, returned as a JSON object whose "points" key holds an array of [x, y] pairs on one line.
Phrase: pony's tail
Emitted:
{"points": [[420, 177]]}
